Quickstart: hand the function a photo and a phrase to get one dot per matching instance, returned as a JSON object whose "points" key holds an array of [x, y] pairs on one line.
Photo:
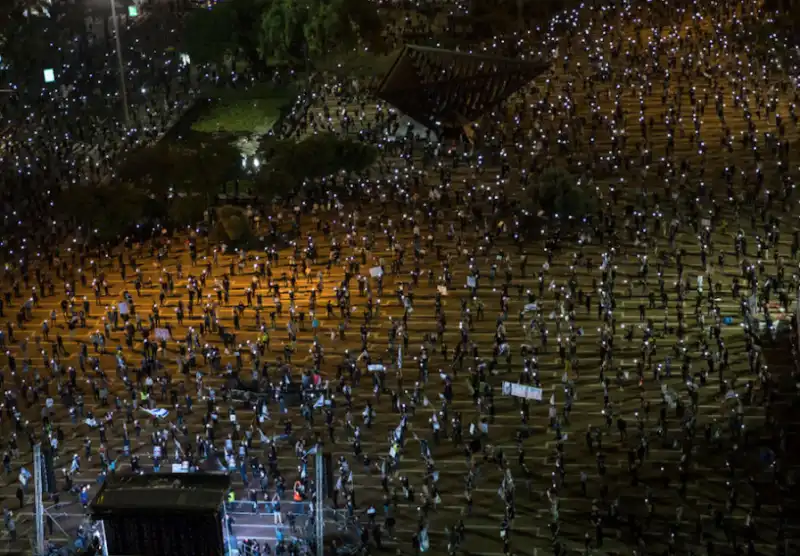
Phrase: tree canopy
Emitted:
{"points": [[287, 31], [104, 213], [199, 168], [231, 28], [560, 197], [289, 164]]}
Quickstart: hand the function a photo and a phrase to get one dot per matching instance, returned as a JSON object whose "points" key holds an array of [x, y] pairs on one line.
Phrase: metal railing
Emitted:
{"points": [[246, 507]]}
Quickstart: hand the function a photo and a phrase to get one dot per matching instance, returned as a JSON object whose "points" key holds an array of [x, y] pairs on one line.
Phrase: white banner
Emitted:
{"points": [[522, 391], [376, 368], [531, 307]]}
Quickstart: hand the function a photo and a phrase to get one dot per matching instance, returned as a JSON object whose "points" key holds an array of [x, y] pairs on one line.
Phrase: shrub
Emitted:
{"points": [[560, 197], [231, 227], [290, 163]]}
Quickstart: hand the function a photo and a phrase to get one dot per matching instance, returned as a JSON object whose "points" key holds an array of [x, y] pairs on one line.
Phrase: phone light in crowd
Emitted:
{"points": [[133, 11], [49, 75]]}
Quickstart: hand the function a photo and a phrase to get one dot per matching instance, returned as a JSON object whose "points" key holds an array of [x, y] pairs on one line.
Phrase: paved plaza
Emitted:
{"points": [[675, 163]]}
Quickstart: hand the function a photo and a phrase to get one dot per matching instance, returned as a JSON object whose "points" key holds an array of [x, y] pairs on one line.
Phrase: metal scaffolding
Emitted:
{"points": [[38, 504], [319, 518]]}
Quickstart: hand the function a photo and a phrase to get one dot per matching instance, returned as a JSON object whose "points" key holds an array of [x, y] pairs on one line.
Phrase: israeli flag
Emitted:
{"points": [[158, 413], [424, 541]]}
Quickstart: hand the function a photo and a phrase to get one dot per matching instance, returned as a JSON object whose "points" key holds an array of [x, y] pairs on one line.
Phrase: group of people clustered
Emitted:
{"points": [[398, 288]]}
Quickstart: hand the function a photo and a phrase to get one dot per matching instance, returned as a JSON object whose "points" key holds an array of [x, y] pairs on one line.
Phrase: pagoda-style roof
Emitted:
{"points": [[448, 89]]}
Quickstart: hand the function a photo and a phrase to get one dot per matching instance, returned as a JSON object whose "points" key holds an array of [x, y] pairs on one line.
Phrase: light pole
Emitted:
{"points": [[39, 509], [319, 512], [121, 64]]}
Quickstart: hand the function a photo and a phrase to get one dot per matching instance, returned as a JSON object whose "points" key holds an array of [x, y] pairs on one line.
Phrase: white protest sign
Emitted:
{"points": [[442, 290], [123, 308], [376, 272], [162, 334], [522, 391], [471, 282], [376, 368]]}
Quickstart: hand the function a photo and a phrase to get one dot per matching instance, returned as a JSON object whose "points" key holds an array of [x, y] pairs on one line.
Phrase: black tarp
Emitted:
{"points": [[161, 492]]}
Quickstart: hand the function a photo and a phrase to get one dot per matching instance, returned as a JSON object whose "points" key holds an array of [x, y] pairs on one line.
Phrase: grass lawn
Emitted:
{"points": [[246, 114]]}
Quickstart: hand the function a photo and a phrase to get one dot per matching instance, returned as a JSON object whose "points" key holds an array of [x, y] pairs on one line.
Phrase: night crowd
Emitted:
{"points": [[384, 312]]}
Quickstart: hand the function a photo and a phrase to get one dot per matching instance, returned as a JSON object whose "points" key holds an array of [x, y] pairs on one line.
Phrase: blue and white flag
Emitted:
{"points": [[312, 451], [424, 541], [320, 402], [158, 413]]}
